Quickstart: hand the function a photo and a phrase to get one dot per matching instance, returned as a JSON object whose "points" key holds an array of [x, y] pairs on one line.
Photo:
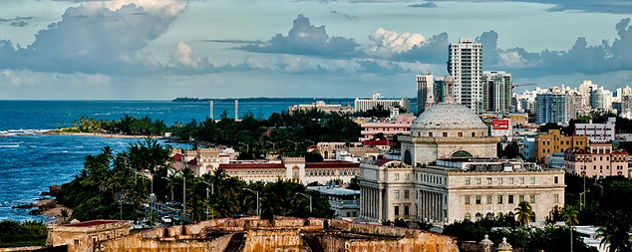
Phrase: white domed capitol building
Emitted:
{"points": [[447, 130]]}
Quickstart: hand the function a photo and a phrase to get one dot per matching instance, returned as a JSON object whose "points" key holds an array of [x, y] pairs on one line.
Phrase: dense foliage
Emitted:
{"points": [[27, 233], [108, 182]]}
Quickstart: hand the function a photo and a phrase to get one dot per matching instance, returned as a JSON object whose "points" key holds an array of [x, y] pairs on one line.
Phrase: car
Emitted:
{"points": [[166, 219]]}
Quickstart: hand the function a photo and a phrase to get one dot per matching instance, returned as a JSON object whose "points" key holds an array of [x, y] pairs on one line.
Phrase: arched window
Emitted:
{"points": [[408, 158], [461, 153]]}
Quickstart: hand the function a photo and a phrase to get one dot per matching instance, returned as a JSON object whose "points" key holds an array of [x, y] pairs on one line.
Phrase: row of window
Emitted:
{"points": [[406, 176], [548, 142], [346, 172], [500, 181], [406, 210], [478, 199], [406, 194], [445, 134]]}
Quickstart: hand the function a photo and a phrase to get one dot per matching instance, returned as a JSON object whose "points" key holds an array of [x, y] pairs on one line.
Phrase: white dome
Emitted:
{"points": [[448, 116]]}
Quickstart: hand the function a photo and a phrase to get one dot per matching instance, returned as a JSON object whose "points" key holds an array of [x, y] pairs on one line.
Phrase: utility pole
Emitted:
{"points": [[310, 200], [257, 193]]}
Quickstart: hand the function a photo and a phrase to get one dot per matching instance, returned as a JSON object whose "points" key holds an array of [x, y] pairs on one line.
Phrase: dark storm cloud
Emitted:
{"points": [[306, 39]]}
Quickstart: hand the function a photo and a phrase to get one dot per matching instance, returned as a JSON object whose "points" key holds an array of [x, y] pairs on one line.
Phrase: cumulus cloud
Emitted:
{"points": [[385, 43], [306, 39], [183, 57], [97, 37]]}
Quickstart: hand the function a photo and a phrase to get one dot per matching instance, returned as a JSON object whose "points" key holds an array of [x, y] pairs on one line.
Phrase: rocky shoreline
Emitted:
{"points": [[48, 206]]}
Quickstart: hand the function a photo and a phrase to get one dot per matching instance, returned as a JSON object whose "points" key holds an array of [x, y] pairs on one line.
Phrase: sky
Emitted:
{"points": [[163, 49]]}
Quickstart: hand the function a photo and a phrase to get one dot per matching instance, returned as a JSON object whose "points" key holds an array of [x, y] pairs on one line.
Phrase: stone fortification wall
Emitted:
{"points": [[273, 240], [139, 243]]}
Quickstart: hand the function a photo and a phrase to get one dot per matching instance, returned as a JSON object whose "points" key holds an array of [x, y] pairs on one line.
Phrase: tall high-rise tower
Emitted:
{"points": [[465, 65], [425, 91]]}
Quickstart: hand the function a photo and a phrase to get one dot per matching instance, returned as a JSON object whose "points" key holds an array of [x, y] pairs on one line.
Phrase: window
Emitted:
{"points": [[489, 199], [478, 181], [445, 134], [522, 180], [467, 216], [460, 134], [396, 210], [430, 134], [467, 181], [478, 199], [510, 199], [532, 199], [532, 180], [489, 181], [396, 176], [500, 199], [510, 180], [500, 181], [473, 134], [556, 180], [406, 210], [521, 198], [467, 199], [556, 198], [397, 194], [407, 177], [76, 242], [406, 194]]}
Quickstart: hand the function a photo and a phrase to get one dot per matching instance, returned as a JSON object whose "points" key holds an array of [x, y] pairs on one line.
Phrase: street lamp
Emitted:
{"points": [[257, 193], [295, 144], [207, 196], [310, 199], [247, 146]]}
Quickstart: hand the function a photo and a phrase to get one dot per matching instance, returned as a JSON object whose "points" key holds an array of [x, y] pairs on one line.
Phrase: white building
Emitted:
{"points": [[322, 106], [597, 131], [456, 189], [497, 92], [465, 65], [364, 104]]}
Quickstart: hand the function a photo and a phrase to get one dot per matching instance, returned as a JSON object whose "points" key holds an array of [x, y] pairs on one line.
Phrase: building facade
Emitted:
{"points": [[555, 142], [292, 169], [599, 160], [399, 125], [497, 92], [322, 106], [597, 131], [362, 104], [551, 107], [425, 91], [465, 65], [456, 189]]}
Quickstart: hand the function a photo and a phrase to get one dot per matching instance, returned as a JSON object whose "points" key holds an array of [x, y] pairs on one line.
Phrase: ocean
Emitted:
{"points": [[30, 164]]}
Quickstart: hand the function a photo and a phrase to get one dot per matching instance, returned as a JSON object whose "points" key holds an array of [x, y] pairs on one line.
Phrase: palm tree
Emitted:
{"points": [[615, 233], [524, 212], [569, 215]]}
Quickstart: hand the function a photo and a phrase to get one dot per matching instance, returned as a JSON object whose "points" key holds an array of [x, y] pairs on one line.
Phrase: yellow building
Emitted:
{"points": [[555, 142]]}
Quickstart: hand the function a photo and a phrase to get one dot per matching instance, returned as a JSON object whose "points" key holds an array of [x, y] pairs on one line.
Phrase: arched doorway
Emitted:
{"points": [[408, 158]]}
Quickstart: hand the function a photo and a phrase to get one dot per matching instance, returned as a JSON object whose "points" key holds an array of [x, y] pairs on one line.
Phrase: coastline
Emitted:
{"points": [[104, 135], [50, 208]]}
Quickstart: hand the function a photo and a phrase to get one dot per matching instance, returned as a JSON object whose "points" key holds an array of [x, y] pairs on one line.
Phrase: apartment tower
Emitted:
{"points": [[465, 65]]}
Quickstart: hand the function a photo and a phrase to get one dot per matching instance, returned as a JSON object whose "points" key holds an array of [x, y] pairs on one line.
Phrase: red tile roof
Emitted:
{"points": [[382, 162], [192, 162], [177, 157], [251, 166], [332, 164], [378, 142], [91, 223]]}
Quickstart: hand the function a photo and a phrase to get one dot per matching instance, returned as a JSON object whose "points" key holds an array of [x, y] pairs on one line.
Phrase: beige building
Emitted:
{"points": [[293, 169], [83, 236], [456, 189], [555, 142]]}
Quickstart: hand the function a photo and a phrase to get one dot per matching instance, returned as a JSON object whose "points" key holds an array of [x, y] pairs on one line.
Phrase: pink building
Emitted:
{"points": [[598, 160], [400, 125]]}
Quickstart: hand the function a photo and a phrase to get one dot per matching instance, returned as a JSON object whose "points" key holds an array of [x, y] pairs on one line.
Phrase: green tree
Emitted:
{"points": [[524, 212]]}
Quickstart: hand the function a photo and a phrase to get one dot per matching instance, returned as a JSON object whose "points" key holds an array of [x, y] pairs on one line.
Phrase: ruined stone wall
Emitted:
{"points": [[136, 243], [421, 243], [278, 240]]}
